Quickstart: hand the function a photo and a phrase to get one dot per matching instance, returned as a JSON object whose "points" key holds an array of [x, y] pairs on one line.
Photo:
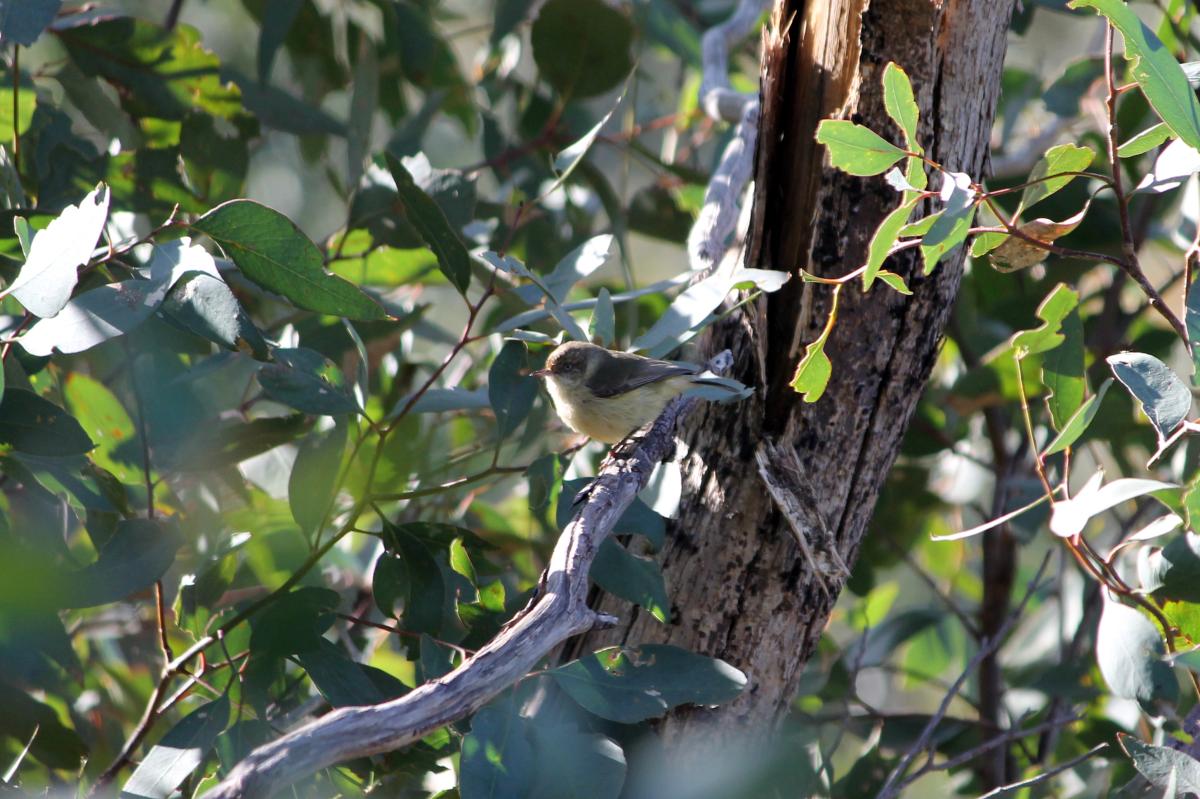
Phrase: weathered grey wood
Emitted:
{"points": [[741, 588], [558, 612]]}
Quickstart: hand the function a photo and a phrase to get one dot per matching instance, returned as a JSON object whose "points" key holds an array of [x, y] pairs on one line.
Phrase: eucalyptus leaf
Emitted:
{"points": [[1165, 398], [48, 276]]}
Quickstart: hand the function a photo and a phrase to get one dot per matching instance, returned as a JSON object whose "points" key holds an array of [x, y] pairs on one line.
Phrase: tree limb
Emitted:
{"points": [[558, 612]]}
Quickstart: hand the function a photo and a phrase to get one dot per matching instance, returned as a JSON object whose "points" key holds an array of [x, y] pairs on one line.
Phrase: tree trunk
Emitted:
{"points": [[742, 589]]}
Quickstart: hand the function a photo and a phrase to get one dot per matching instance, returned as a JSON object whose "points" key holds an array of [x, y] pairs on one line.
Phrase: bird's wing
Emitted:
{"points": [[623, 373]]}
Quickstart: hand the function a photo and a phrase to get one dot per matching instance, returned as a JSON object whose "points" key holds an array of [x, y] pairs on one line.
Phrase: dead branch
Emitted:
{"points": [[558, 612]]}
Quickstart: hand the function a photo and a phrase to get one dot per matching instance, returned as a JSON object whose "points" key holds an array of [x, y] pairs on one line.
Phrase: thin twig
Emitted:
{"points": [[894, 781], [1045, 775]]}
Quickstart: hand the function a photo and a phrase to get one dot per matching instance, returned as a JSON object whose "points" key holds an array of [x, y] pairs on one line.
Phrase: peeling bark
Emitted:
{"points": [[742, 588]]}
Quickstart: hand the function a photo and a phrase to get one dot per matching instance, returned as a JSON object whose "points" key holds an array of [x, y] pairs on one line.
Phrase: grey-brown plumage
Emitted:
{"points": [[606, 395]]}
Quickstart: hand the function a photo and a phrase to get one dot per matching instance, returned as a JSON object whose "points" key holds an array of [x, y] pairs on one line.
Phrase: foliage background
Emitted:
{"points": [[345, 564]]}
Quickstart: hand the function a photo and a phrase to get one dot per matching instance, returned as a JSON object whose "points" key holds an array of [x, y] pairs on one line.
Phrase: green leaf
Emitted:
{"points": [[1057, 160], [294, 622], [340, 680], [582, 47], [511, 389], [45, 282], [900, 104], [855, 149], [1145, 141], [22, 21], [314, 476], [1129, 651], [949, 227], [37, 426], [140, 552], [306, 380], [424, 214], [497, 756], [814, 370], [894, 281], [636, 579], [885, 236], [1052, 311], [1163, 767], [1154, 68], [429, 603], [179, 753], [270, 250], [1075, 426], [1165, 398], [158, 73], [1062, 371], [630, 685]]}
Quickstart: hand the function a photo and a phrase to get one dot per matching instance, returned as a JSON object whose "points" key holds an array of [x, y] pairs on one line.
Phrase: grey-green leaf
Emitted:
{"points": [[511, 390], [179, 753], [1163, 396], [1129, 651], [307, 381]]}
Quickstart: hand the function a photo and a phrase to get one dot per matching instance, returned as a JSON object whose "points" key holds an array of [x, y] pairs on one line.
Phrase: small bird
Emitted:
{"points": [[607, 395]]}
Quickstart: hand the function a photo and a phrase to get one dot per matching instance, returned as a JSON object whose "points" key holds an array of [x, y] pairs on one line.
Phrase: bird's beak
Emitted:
{"points": [[539, 373]]}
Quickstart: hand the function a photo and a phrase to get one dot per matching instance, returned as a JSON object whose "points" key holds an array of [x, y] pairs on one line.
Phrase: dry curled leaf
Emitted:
{"points": [[1016, 253]]}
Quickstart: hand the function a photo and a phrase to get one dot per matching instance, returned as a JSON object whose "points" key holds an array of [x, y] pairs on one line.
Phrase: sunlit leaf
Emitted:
{"points": [[1060, 159], [1070, 516], [45, 282], [855, 149], [1052, 311]]}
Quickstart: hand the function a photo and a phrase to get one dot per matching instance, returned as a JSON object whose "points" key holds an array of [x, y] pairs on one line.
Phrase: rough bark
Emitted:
{"points": [[742, 588]]}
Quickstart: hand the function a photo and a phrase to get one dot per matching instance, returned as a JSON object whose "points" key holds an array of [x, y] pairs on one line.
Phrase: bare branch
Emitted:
{"points": [[717, 98], [988, 645], [558, 612]]}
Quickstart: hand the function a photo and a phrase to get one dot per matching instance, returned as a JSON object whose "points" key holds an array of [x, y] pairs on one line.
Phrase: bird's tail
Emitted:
{"points": [[718, 389]]}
